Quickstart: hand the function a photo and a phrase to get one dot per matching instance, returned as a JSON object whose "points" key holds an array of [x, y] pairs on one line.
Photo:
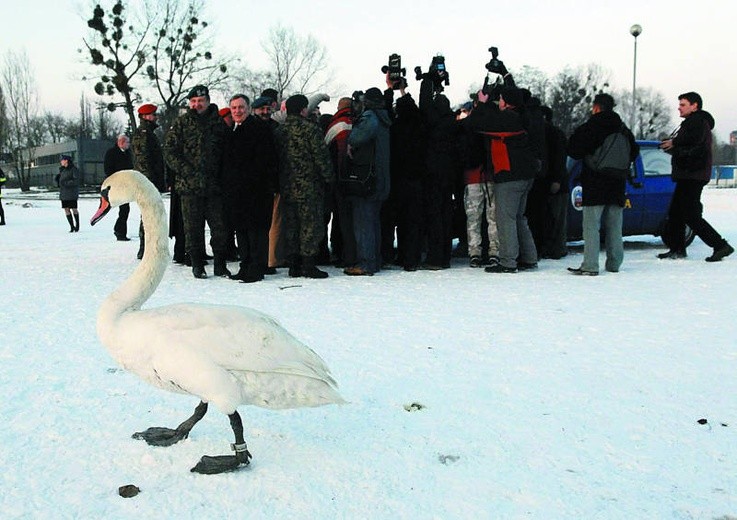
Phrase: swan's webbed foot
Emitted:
{"points": [[157, 436], [224, 463]]}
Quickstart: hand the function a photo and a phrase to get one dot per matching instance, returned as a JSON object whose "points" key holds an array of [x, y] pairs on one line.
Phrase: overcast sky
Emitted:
{"points": [[681, 48]]}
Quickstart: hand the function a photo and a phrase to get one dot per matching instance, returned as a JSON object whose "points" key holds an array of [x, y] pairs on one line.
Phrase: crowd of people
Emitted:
{"points": [[395, 181]]}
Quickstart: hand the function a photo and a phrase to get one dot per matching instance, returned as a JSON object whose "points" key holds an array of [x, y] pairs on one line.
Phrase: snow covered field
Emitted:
{"points": [[541, 395]]}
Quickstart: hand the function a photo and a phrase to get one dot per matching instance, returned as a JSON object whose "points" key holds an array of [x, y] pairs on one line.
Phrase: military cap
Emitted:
{"points": [[146, 109], [198, 91]]}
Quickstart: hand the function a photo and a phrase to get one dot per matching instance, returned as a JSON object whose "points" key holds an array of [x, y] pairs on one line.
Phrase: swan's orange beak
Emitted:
{"points": [[104, 207]]}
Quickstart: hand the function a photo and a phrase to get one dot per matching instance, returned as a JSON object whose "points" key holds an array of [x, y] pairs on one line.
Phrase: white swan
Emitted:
{"points": [[225, 355]]}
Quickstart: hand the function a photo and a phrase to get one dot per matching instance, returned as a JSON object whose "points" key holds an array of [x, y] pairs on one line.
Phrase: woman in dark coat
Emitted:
{"points": [[68, 180]]}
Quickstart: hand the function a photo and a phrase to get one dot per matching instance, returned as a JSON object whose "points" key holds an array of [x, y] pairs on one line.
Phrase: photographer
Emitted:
{"points": [[443, 167], [511, 159], [370, 138], [404, 208]]}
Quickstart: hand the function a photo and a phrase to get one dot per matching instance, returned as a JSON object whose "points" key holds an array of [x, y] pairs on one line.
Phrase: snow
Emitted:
{"points": [[542, 395]]}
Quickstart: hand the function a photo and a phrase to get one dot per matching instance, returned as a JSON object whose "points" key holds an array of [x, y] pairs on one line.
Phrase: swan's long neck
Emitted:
{"points": [[147, 276]]}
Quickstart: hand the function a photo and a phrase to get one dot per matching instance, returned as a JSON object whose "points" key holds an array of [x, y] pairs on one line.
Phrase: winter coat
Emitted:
{"points": [[68, 181], [3, 179], [443, 157], [304, 160], [193, 149], [249, 176], [372, 129], [508, 152], [691, 152], [600, 189], [336, 139], [147, 154], [408, 142], [116, 160], [555, 144]]}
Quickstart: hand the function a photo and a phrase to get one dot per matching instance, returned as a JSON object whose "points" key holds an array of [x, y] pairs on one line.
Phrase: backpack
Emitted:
{"points": [[612, 158]]}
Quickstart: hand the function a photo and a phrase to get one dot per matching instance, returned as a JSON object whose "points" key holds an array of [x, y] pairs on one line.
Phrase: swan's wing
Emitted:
{"points": [[234, 338]]}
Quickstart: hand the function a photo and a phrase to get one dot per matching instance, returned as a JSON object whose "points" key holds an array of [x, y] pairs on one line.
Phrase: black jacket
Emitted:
{"points": [[249, 173], [116, 160], [509, 153], [599, 189], [692, 156]]}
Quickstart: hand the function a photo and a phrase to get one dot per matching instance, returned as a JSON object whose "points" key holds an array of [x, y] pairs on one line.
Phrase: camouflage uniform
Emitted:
{"points": [[304, 169], [193, 149], [149, 160], [147, 155]]}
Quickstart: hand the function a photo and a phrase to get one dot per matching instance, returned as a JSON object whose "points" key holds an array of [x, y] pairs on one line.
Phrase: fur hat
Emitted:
{"points": [[296, 103], [147, 109], [198, 91], [65, 157]]}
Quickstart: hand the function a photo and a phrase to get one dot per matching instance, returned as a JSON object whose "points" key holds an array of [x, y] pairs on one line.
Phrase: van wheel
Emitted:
{"points": [[664, 234]]}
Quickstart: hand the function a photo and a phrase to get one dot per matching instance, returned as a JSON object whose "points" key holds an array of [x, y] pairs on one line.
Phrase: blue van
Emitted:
{"points": [[648, 195]]}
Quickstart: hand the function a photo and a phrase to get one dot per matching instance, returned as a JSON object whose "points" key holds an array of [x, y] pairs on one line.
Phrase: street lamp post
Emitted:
{"points": [[635, 31]]}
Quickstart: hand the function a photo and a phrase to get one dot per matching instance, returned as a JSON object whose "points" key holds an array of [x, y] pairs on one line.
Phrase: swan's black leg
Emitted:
{"points": [[157, 436], [220, 464]]}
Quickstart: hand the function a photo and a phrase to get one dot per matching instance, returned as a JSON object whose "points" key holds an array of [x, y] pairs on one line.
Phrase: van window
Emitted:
{"points": [[655, 161]]}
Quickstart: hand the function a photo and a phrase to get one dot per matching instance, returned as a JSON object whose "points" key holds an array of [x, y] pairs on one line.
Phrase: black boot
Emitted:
{"points": [[198, 266], [76, 221], [295, 266], [221, 269], [310, 270], [71, 223]]}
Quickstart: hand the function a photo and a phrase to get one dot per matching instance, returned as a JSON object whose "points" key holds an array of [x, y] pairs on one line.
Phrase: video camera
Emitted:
{"points": [[437, 73], [495, 66], [396, 72]]}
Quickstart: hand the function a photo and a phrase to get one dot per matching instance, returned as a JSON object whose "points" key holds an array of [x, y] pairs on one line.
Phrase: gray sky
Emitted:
{"points": [[681, 48]]}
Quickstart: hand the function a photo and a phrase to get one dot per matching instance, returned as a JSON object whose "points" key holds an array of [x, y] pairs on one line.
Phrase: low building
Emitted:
{"points": [[87, 154]]}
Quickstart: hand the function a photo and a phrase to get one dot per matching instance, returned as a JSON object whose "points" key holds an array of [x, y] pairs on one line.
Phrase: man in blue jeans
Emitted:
{"points": [[370, 134], [603, 192]]}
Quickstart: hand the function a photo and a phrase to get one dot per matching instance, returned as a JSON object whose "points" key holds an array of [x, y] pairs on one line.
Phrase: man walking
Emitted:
{"points": [[690, 148], [603, 185]]}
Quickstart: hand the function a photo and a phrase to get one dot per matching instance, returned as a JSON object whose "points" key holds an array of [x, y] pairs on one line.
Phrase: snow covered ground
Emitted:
{"points": [[541, 395]]}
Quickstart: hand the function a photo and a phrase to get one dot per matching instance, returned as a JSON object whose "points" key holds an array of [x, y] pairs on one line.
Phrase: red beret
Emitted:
{"points": [[224, 112], [145, 110]]}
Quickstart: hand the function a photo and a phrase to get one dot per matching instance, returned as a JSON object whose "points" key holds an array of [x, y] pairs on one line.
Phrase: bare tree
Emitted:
{"points": [[3, 123], [534, 80], [297, 62], [572, 92], [19, 87], [55, 126], [251, 82], [119, 49], [181, 55], [652, 118]]}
